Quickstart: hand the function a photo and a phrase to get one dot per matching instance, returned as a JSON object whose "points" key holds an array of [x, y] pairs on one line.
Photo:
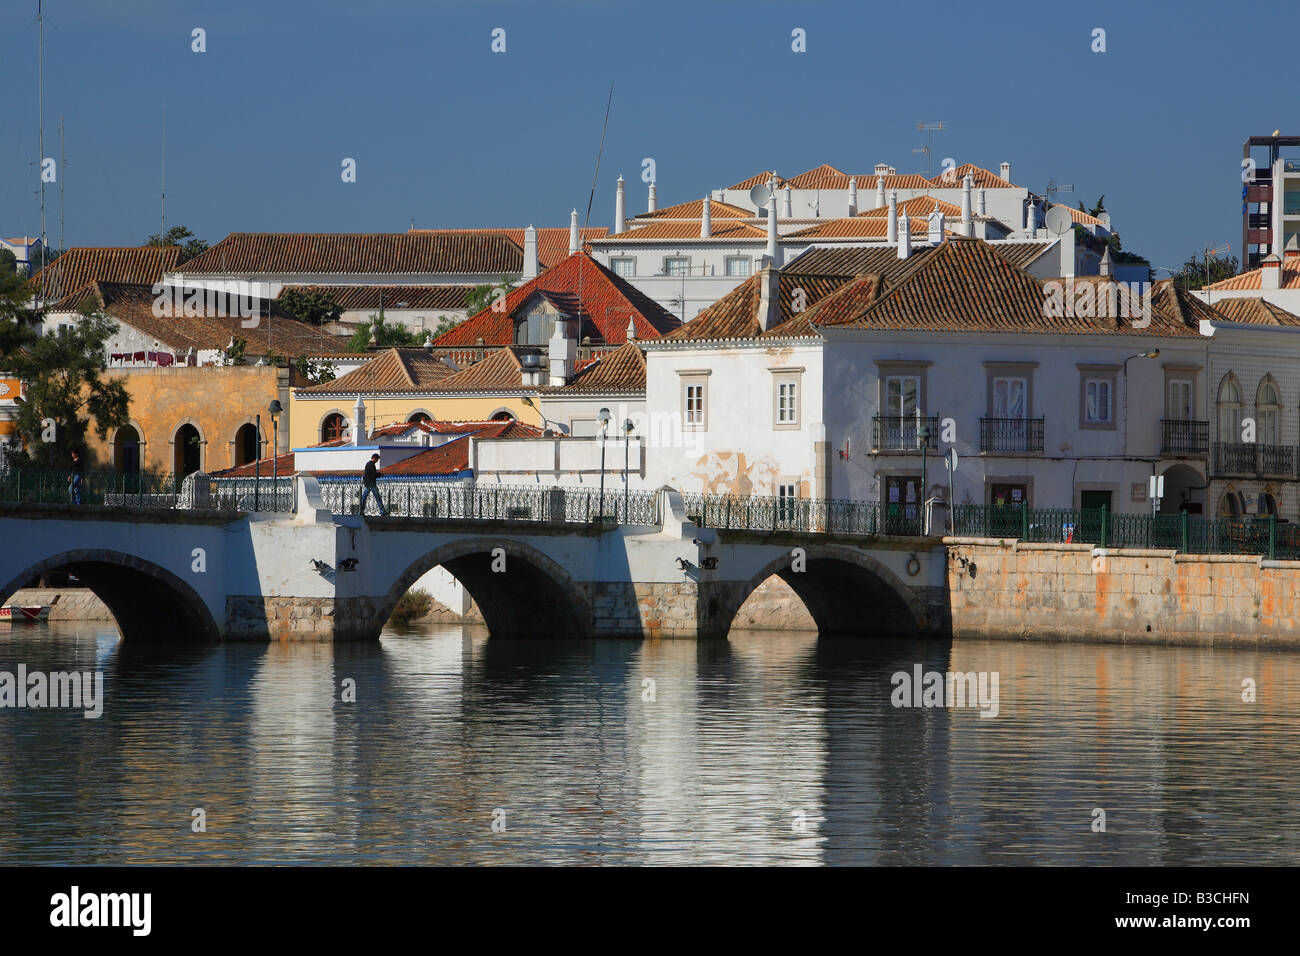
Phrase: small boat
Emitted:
{"points": [[24, 612]]}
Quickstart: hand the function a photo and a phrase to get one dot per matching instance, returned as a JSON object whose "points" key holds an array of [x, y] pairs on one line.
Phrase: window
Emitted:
{"points": [[624, 266], [1229, 411], [1097, 401], [739, 265], [677, 266], [1009, 397], [1267, 409], [535, 328], [787, 496], [332, 427], [902, 395], [1179, 408], [787, 403], [695, 398]]}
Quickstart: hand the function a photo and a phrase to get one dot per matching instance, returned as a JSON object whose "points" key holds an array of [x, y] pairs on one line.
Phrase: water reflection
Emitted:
{"points": [[770, 748]]}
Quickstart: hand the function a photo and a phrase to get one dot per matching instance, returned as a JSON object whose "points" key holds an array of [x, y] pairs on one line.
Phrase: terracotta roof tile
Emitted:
{"points": [[608, 302], [622, 370], [735, 315], [298, 253], [981, 178], [857, 227], [552, 241], [917, 206], [759, 179], [1255, 311], [82, 265], [361, 297], [662, 231], [1079, 216], [695, 210], [1251, 280], [844, 301], [393, 370]]}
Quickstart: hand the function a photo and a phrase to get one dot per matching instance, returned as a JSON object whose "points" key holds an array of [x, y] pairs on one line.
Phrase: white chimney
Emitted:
{"points": [[771, 225], [1006, 172], [652, 201], [880, 191], [530, 253], [769, 299], [979, 203], [359, 432], [904, 229], [1103, 268], [936, 225], [620, 207], [967, 226], [891, 228], [706, 219], [1270, 272], [1031, 218], [787, 202], [563, 350], [630, 333], [853, 196], [575, 237]]}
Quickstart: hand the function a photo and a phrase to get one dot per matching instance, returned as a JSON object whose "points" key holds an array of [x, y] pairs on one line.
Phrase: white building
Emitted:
{"points": [[26, 250]]}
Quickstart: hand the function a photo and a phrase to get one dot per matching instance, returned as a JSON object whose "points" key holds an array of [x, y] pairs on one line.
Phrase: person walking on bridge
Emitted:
{"points": [[370, 485], [74, 479]]}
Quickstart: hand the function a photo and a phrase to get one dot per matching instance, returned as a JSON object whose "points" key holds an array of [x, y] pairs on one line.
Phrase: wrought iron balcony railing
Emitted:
{"points": [[1233, 458], [1013, 436], [1184, 437], [902, 432]]}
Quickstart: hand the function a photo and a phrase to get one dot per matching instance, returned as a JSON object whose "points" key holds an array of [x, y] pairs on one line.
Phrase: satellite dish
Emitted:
{"points": [[1058, 220], [1104, 216], [759, 195]]}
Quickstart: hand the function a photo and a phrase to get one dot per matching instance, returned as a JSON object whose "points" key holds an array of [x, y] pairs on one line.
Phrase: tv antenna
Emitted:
{"points": [[1053, 189], [929, 129]]}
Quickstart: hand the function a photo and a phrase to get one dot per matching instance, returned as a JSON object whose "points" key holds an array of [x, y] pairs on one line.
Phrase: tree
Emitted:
{"points": [[65, 391], [235, 352], [1098, 208], [482, 296], [386, 336], [180, 236], [315, 372], [316, 306], [1192, 274], [8, 263]]}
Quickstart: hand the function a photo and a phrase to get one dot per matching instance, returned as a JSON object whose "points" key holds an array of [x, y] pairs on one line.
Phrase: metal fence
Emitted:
{"points": [[1265, 535], [524, 504], [150, 490], [812, 515]]}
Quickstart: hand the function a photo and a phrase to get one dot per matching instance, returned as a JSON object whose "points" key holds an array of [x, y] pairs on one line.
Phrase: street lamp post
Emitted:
{"points": [[627, 438], [923, 435], [275, 409], [603, 416], [1154, 353], [257, 467]]}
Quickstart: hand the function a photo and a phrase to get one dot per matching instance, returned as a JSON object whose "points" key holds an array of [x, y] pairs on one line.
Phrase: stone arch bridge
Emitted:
{"points": [[312, 574]]}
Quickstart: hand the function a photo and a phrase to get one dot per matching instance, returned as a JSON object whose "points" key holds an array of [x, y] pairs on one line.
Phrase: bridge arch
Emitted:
{"points": [[847, 592], [148, 602], [534, 596]]}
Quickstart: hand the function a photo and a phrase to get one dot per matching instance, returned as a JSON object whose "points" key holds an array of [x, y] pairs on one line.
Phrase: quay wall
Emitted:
{"points": [[1010, 589]]}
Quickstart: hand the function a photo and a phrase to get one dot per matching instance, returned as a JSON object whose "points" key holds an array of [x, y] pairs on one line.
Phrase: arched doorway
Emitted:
{"points": [[187, 451], [126, 450], [332, 427], [1184, 491], [246, 450]]}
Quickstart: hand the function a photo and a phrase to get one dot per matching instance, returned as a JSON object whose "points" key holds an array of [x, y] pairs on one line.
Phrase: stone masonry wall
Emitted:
{"points": [[1006, 589]]}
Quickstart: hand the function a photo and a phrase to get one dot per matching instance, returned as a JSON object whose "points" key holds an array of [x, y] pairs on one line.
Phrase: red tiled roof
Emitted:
{"points": [[917, 206], [622, 370], [298, 253], [1251, 280], [82, 265], [360, 297], [133, 305], [1255, 311], [857, 227], [663, 231], [824, 176], [393, 370], [735, 315], [695, 210], [843, 302], [552, 241], [759, 179], [981, 178], [1079, 216], [892, 181], [608, 302]]}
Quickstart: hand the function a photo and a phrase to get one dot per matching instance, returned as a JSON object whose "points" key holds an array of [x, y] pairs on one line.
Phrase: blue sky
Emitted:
{"points": [[447, 133]]}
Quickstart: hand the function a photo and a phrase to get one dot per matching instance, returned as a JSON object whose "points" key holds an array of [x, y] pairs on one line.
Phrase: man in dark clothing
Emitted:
{"points": [[74, 481], [370, 485]]}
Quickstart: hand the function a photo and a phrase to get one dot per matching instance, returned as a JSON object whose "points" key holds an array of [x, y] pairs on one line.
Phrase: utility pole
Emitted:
{"points": [[40, 142], [928, 129]]}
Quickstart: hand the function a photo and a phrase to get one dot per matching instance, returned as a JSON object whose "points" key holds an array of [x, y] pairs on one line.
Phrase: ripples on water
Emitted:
{"points": [[716, 761]]}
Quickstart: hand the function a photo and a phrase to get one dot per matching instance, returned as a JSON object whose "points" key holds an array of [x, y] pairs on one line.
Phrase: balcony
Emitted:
{"points": [[899, 433], [1011, 436], [1275, 461], [1179, 439]]}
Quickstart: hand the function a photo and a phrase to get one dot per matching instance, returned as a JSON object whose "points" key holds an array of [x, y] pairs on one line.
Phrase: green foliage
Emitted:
{"points": [[8, 263], [316, 306], [482, 296], [315, 372], [65, 388], [1098, 207], [415, 603], [386, 336], [180, 236], [235, 353], [1192, 274]]}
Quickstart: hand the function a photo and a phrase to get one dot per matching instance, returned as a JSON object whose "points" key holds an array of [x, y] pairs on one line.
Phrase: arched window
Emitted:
{"points": [[419, 417], [503, 416], [187, 451], [332, 427], [1267, 504], [1268, 413], [1229, 411], [246, 449], [1228, 505], [126, 450]]}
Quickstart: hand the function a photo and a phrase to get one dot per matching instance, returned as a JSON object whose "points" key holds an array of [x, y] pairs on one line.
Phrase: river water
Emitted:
{"points": [[769, 748]]}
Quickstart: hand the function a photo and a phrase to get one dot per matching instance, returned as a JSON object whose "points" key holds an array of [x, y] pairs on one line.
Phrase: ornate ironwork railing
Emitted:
{"points": [[510, 503], [1178, 437], [149, 490], [902, 432], [1234, 458], [1011, 435], [812, 515]]}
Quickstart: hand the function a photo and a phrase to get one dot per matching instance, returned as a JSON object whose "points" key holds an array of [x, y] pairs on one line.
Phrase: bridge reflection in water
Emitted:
{"points": [[769, 748]]}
